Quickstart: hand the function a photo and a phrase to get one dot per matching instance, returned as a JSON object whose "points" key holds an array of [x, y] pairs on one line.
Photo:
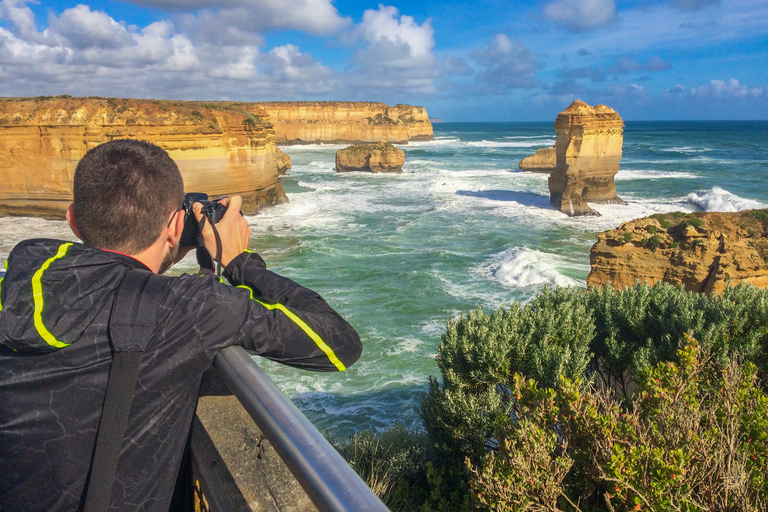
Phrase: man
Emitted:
{"points": [[55, 354]]}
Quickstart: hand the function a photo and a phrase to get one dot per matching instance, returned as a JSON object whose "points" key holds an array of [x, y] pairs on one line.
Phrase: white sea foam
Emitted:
{"points": [[516, 144], [648, 174], [718, 199], [685, 149], [523, 267]]}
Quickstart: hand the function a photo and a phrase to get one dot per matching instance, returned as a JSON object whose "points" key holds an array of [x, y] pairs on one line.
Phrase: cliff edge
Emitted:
{"points": [[311, 122], [221, 148], [701, 251]]}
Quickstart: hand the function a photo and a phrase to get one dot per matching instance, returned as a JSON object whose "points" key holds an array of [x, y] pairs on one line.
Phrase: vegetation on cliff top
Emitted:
{"points": [[648, 398]]}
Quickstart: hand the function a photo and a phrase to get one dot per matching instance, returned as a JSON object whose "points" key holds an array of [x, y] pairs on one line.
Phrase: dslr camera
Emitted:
{"points": [[212, 210]]}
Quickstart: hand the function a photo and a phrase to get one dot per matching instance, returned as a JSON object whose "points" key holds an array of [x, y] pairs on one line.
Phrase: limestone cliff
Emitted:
{"points": [[544, 160], [701, 251], [588, 146], [307, 122], [221, 148], [382, 157]]}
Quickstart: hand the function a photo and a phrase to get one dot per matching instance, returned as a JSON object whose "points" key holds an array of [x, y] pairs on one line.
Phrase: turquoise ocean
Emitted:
{"points": [[461, 227]]}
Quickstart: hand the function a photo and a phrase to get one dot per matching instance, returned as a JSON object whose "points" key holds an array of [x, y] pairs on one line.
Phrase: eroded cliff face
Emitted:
{"points": [[381, 157], [221, 148], [589, 144], [308, 122], [701, 251]]}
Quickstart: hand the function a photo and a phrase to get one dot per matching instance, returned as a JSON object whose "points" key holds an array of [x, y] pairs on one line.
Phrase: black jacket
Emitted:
{"points": [[55, 358]]}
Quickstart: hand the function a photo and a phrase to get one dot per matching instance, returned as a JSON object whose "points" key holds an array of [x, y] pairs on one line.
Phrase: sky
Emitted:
{"points": [[481, 60]]}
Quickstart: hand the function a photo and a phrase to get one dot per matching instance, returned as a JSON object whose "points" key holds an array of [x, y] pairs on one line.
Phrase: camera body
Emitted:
{"points": [[212, 210]]}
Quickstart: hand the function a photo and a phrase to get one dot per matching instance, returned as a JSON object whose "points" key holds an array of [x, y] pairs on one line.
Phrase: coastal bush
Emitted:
{"points": [[393, 464], [653, 242], [650, 228], [693, 437], [627, 237], [546, 338]]}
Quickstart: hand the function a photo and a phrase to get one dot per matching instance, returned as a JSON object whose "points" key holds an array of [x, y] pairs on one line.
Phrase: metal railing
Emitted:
{"points": [[324, 475]]}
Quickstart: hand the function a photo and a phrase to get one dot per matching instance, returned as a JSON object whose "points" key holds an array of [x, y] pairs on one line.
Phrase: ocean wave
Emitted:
{"points": [[718, 199], [648, 174], [516, 144], [525, 268], [685, 149]]}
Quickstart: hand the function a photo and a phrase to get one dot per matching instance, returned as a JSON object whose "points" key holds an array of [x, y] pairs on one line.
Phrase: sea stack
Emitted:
{"points": [[544, 160], [383, 157], [588, 147]]}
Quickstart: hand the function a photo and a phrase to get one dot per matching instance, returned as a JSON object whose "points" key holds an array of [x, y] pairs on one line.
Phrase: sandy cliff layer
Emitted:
{"points": [[702, 251], [306, 122], [589, 144], [221, 149], [381, 157]]}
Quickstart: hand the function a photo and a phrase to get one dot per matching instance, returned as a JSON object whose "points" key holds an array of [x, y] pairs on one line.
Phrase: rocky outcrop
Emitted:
{"points": [[283, 161], [701, 251], [383, 157], [309, 122], [544, 160], [221, 148], [588, 146]]}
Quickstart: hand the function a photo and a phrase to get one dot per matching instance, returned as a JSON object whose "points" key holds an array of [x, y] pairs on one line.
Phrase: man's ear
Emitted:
{"points": [[176, 228], [70, 215]]}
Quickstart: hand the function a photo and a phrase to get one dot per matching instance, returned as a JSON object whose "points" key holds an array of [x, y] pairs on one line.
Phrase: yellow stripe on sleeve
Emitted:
{"points": [[304, 327]]}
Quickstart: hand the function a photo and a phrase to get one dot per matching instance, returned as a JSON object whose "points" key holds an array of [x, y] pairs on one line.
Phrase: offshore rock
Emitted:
{"points": [[589, 144], [701, 251], [221, 148], [312, 122], [283, 161], [544, 160], [383, 157]]}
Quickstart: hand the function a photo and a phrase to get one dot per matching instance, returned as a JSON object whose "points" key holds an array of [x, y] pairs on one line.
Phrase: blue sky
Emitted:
{"points": [[483, 60]]}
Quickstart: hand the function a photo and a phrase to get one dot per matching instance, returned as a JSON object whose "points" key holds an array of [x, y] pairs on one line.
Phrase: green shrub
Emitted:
{"points": [[675, 245], [650, 228], [627, 237], [694, 222], [653, 242], [666, 224], [760, 215], [479, 354], [695, 437]]}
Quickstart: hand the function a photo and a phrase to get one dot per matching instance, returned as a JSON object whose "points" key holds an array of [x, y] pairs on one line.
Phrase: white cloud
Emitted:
{"points": [[315, 17], [505, 64], [82, 28], [393, 42], [730, 89], [579, 15]]}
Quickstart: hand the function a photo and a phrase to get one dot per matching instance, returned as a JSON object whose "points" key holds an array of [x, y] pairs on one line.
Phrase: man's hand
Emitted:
{"points": [[233, 230]]}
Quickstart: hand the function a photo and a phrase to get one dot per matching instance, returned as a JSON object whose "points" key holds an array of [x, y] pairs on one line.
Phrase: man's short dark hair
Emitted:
{"points": [[124, 191]]}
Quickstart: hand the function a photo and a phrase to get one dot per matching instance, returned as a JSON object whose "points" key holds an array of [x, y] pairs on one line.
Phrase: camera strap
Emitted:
{"points": [[131, 322], [204, 259]]}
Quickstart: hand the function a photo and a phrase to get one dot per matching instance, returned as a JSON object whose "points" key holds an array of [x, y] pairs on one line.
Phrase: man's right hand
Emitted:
{"points": [[233, 230]]}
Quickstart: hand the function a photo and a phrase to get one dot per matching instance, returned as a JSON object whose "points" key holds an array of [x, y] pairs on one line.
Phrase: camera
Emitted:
{"points": [[212, 210]]}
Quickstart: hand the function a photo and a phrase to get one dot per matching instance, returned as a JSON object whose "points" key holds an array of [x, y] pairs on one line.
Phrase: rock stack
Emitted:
{"points": [[383, 157], [544, 160], [588, 146]]}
